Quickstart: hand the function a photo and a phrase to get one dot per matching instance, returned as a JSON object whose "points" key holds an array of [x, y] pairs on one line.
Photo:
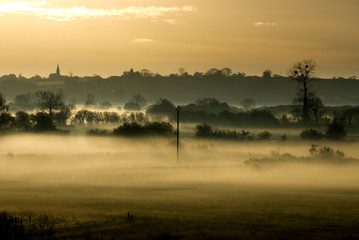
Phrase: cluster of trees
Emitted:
{"points": [[317, 153], [208, 110], [149, 128], [252, 118], [95, 117], [307, 109], [334, 131], [137, 130], [24, 121], [206, 131], [212, 111], [182, 73]]}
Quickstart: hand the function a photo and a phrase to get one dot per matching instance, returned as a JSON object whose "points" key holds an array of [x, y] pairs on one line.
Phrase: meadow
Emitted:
{"points": [[85, 187]]}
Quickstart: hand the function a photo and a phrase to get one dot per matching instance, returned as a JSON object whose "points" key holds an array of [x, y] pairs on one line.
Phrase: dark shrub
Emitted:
{"points": [[43, 122], [22, 120], [324, 152], [163, 128], [335, 131], [11, 227], [7, 121], [98, 132], [204, 130], [284, 137], [150, 128], [162, 108], [264, 135], [128, 129], [311, 134]]}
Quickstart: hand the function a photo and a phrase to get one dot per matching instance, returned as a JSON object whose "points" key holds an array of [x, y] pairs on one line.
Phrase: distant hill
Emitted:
{"points": [[183, 89]]}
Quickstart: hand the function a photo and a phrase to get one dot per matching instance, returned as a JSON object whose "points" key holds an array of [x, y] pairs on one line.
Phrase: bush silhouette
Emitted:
{"points": [[43, 122], [22, 120], [311, 134], [204, 130], [150, 128], [11, 227], [264, 135], [335, 131]]}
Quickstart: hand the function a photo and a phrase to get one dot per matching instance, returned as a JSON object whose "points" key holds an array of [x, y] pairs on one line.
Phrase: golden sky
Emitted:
{"points": [[106, 37]]}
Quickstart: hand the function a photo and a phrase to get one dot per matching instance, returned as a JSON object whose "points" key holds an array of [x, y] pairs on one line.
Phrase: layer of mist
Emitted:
{"points": [[120, 162], [121, 188]]}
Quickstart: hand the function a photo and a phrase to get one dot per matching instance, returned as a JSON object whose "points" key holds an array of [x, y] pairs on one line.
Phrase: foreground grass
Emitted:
{"points": [[211, 212]]}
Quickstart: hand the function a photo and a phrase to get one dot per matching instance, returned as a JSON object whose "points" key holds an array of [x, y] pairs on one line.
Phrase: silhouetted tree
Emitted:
{"points": [[214, 73], [43, 122], [64, 114], [22, 121], [150, 128], [335, 131], [90, 100], [349, 117], [6, 120], [80, 116], [204, 130], [146, 73], [3, 106], [162, 107], [182, 72], [198, 75], [240, 75], [315, 107], [264, 135], [137, 102], [311, 134], [267, 74], [111, 117], [50, 101], [25, 101], [208, 105], [227, 72], [303, 72]]}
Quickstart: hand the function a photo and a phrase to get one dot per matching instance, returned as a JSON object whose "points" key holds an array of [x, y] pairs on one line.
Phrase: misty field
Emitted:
{"points": [[84, 187]]}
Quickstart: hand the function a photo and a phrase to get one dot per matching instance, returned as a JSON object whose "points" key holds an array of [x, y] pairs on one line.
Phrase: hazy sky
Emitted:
{"points": [[106, 37]]}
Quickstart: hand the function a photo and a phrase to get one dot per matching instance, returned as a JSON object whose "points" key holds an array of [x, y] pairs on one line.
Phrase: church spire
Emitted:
{"points": [[58, 70]]}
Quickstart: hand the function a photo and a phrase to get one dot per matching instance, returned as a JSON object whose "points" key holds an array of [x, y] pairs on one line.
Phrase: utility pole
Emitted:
{"points": [[178, 108]]}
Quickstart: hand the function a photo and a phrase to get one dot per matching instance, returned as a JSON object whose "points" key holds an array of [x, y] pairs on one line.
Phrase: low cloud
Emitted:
{"points": [[259, 24], [142, 40], [44, 10], [170, 21]]}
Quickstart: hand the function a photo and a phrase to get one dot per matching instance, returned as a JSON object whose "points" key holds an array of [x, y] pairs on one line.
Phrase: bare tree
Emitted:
{"points": [[181, 71], [303, 72], [137, 102], [50, 101]]}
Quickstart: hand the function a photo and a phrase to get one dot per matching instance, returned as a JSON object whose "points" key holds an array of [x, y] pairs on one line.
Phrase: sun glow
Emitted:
{"points": [[43, 10]]}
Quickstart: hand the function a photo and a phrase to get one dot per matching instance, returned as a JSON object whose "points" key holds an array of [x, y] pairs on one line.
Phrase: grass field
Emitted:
{"points": [[78, 187]]}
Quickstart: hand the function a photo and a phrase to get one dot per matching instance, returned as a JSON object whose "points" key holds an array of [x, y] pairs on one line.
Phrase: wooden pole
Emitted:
{"points": [[178, 108]]}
